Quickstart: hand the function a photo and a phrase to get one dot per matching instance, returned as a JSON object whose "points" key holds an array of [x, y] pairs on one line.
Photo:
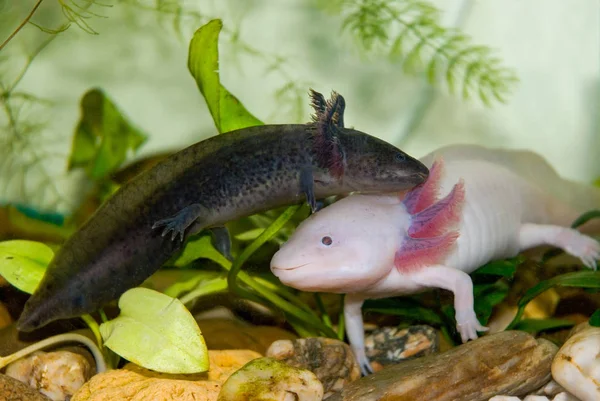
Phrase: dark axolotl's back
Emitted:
{"points": [[223, 178]]}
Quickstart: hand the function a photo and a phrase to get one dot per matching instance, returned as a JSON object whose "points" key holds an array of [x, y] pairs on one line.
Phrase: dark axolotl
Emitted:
{"points": [[220, 179]]}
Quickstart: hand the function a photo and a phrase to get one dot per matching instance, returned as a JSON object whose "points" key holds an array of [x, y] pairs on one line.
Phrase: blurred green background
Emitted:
{"points": [[271, 53]]}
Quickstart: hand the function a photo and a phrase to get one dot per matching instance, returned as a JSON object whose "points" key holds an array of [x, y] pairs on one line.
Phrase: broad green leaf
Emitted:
{"points": [[486, 297], [250, 235], [595, 319], [406, 308], [583, 279], [23, 263], [505, 268], [157, 332], [537, 325], [103, 138], [200, 248], [203, 62], [178, 288]]}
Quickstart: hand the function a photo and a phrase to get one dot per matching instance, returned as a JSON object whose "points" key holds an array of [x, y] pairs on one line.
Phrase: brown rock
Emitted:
{"points": [[13, 390], [221, 334], [507, 363], [332, 361], [134, 383], [5, 318], [391, 345]]}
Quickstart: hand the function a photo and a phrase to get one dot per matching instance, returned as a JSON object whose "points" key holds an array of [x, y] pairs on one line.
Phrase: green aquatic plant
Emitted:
{"points": [[103, 126], [75, 11], [410, 31]]}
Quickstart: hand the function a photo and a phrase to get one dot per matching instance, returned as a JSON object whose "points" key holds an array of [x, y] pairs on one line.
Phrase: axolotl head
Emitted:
{"points": [[345, 247]]}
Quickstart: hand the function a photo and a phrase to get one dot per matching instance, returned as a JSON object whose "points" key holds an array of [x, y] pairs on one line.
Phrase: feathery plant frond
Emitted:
{"points": [[23, 169], [410, 30], [78, 14], [73, 11]]}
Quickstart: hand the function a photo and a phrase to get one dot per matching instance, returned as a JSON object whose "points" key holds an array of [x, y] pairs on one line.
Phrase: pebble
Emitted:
{"points": [[267, 379], [391, 345], [12, 389], [558, 397], [133, 383], [510, 362], [576, 366], [57, 374], [332, 361]]}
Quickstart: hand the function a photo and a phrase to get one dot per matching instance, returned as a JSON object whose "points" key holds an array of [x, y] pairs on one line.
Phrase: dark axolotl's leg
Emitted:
{"points": [[180, 221], [222, 241]]}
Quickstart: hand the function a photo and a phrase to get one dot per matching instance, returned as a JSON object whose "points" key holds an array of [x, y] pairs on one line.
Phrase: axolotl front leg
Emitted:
{"points": [[437, 276]]}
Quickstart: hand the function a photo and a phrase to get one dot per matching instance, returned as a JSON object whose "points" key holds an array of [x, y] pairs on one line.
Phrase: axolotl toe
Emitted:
{"points": [[470, 211]]}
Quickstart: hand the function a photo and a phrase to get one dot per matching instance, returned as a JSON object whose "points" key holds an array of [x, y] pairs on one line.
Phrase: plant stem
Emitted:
{"points": [[93, 325], [258, 242], [60, 338], [25, 21], [341, 320], [325, 316], [213, 286]]}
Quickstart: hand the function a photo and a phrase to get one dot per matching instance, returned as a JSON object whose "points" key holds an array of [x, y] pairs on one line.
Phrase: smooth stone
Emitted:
{"points": [[331, 360], [222, 334], [134, 383], [558, 397], [57, 375], [267, 379], [12, 389], [506, 363], [551, 391], [391, 345], [576, 366]]}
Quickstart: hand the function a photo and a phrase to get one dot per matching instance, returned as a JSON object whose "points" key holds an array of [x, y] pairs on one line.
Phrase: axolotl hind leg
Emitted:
{"points": [[459, 282], [571, 241]]}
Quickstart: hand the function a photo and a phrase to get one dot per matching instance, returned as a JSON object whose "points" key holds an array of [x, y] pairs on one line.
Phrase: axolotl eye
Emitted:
{"points": [[401, 157], [326, 241]]}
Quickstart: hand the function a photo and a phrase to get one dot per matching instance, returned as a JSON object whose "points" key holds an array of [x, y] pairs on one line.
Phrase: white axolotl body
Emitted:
{"points": [[478, 205]]}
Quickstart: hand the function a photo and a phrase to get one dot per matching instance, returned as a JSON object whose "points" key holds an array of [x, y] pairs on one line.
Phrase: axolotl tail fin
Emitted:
{"points": [[569, 198]]}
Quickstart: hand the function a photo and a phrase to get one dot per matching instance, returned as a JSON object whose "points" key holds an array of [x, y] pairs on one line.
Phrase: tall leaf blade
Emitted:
{"points": [[582, 279], [203, 63]]}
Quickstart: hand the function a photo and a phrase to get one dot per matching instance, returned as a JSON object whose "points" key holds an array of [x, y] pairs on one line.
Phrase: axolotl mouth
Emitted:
{"points": [[288, 268], [288, 275], [309, 277]]}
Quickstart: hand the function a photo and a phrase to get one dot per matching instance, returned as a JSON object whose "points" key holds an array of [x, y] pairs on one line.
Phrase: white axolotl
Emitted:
{"points": [[478, 205]]}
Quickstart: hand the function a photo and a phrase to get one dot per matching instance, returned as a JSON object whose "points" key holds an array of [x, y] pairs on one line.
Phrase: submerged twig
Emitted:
{"points": [[25, 21]]}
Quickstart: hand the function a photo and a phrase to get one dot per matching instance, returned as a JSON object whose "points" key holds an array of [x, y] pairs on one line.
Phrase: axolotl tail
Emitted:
{"points": [[565, 199]]}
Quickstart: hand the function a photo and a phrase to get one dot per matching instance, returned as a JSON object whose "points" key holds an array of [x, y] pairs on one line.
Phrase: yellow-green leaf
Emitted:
{"points": [[203, 62], [157, 332], [23, 263], [199, 248], [103, 136]]}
